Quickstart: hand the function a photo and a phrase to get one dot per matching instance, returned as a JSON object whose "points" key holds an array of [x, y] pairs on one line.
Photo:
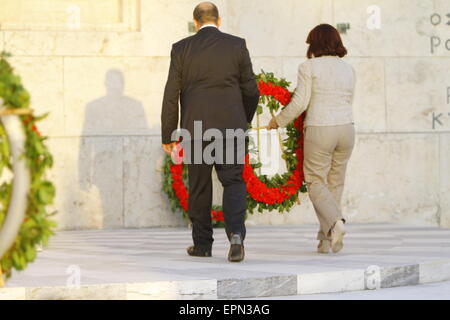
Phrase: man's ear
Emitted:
{"points": [[197, 25], [219, 21]]}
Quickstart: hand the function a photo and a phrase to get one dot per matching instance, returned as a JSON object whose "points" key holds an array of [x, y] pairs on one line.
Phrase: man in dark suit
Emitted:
{"points": [[211, 74]]}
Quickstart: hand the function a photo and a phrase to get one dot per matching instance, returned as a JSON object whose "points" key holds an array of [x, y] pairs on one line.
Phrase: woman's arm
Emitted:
{"points": [[300, 99]]}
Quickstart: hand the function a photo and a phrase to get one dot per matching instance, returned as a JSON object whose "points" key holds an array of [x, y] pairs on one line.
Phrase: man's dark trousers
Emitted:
{"points": [[234, 201]]}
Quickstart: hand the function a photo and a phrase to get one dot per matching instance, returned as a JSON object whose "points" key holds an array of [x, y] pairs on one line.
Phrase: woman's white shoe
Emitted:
{"points": [[337, 236], [324, 246]]}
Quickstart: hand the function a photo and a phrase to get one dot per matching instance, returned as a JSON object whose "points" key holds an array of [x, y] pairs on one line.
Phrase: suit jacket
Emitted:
{"points": [[211, 75]]}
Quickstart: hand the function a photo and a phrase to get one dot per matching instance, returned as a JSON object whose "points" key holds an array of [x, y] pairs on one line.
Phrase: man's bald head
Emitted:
{"points": [[206, 12]]}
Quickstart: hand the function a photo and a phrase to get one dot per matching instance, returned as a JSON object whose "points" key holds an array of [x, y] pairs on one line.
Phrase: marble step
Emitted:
{"points": [[371, 278]]}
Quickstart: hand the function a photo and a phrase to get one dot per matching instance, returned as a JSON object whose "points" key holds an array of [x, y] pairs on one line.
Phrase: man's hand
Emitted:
{"points": [[273, 124], [169, 147]]}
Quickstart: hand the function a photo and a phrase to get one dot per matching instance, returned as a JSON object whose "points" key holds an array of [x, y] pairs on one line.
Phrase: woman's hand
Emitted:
{"points": [[273, 124]]}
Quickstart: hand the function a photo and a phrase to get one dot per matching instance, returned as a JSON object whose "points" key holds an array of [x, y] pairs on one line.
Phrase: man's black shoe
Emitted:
{"points": [[197, 252], [237, 252]]}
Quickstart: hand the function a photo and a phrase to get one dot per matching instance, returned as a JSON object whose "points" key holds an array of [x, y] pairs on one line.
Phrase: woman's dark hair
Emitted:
{"points": [[324, 40]]}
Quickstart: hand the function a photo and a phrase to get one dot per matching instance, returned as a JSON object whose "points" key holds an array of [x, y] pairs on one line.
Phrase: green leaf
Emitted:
{"points": [[259, 109], [46, 193]]}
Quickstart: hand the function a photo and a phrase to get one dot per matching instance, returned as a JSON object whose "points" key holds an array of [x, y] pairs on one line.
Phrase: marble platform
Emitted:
{"points": [[280, 261]]}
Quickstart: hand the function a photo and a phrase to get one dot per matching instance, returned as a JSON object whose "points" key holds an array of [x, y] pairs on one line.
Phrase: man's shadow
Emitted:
{"points": [[109, 119], [114, 113]]}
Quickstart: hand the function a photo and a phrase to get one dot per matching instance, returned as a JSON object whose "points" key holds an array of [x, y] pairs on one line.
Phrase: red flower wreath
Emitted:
{"points": [[178, 187], [280, 196], [273, 195]]}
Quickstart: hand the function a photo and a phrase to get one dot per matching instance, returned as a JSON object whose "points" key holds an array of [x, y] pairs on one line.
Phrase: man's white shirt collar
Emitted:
{"points": [[208, 25]]}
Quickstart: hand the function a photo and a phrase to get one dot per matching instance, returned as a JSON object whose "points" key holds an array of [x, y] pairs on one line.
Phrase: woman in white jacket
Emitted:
{"points": [[325, 90]]}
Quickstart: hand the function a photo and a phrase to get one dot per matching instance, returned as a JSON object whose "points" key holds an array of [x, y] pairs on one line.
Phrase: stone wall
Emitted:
{"points": [[103, 79]]}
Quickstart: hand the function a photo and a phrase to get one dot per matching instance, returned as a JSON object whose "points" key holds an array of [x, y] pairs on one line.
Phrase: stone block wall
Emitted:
{"points": [[102, 81]]}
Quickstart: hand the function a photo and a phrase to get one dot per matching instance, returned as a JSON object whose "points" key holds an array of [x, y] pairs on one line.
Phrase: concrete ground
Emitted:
{"points": [[280, 261]]}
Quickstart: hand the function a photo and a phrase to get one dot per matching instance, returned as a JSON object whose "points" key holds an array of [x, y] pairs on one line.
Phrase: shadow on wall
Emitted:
{"points": [[110, 119], [114, 113]]}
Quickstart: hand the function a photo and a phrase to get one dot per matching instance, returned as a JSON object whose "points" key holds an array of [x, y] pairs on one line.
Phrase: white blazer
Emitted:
{"points": [[325, 88]]}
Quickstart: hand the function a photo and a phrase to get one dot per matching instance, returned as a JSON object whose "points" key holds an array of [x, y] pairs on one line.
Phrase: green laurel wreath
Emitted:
{"points": [[37, 227]]}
